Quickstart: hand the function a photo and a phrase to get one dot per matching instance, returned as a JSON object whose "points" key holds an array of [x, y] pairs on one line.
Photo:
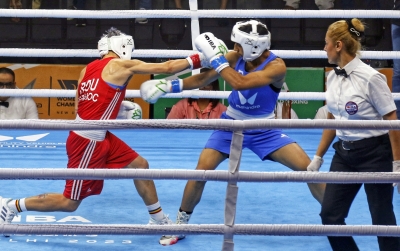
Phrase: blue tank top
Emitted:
{"points": [[255, 101]]}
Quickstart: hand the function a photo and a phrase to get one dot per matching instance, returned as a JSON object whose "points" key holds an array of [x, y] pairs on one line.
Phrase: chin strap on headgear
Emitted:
{"points": [[122, 45], [252, 43]]}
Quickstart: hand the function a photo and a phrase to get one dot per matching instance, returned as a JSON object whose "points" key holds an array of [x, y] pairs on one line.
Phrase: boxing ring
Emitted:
{"points": [[260, 206]]}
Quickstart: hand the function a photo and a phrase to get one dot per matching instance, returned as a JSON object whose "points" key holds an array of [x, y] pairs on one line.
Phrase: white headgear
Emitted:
{"points": [[252, 43], [122, 45]]}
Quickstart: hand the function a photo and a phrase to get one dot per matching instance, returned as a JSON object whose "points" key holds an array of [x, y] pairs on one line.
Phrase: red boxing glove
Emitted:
{"points": [[194, 61]]}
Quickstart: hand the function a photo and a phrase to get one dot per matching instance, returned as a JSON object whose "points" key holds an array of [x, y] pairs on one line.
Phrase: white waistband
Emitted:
{"points": [[235, 114], [97, 135]]}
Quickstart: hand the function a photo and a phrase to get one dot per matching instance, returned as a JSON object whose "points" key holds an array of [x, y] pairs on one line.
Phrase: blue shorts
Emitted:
{"points": [[261, 142]]}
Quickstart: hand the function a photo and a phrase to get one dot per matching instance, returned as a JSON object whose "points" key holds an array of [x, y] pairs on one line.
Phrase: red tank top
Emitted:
{"points": [[97, 100]]}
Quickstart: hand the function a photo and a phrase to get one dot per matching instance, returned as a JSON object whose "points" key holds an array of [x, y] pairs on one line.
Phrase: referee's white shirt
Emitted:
{"points": [[363, 95], [19, 108]]}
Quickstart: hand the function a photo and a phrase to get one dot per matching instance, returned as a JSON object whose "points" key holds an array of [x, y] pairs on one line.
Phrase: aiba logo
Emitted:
{"points": [[210, 42]]}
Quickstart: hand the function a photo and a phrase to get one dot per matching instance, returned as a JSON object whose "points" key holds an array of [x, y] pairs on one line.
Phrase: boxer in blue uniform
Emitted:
{"points": [[256, 76], [251, 104]]}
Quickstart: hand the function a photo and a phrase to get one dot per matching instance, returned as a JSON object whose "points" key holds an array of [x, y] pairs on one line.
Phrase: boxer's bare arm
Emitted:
{"points": [[118, 71]]}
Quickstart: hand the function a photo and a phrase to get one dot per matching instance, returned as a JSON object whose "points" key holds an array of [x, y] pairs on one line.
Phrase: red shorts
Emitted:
{"points": [[84, 153]]}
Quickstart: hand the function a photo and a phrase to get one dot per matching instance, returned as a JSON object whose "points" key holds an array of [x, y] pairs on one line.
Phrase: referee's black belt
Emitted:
{"points": [[352, 145]]}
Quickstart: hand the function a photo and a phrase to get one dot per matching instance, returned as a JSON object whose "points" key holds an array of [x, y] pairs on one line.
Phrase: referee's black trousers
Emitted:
{"points": [[368, 155]]}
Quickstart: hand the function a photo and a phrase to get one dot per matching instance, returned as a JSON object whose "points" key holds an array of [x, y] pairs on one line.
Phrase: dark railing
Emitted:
{"points": [[60, 33]]}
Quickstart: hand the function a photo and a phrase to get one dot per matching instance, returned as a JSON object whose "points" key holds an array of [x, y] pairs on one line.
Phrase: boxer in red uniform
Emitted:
{"points": [[101, 89]]}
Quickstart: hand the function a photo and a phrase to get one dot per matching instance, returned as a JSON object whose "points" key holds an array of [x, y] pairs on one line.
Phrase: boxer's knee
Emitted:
{"points": [[140, 163]]}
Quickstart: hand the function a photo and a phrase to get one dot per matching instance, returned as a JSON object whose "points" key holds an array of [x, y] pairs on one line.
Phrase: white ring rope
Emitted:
{"points": [[201, 175], [44, 93], [237, 13], [210, 229], [206, 124], [155, 53]]}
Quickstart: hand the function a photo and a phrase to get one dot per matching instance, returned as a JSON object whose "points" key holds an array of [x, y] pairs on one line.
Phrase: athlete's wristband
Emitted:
{"points": [[176, 85], [219, 63], [194, 61]]}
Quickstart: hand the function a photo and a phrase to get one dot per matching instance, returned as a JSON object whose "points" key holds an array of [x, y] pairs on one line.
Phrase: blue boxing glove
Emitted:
{"points": [[152, 90], [213, 49]]}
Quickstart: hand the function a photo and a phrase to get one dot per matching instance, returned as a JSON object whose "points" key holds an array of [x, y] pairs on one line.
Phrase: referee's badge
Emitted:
{"points": [[351, 108]]}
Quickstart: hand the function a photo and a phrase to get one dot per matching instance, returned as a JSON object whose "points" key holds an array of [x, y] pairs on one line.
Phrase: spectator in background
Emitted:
{"points": [[79, 5], [15, 4], [396, 62], [348, 4], [221, 21], [322, 4], [283, 110], [178, 4], [15, 107], [202, 108], [322, 113], [224, 3], [144, 5], [36, 4]]}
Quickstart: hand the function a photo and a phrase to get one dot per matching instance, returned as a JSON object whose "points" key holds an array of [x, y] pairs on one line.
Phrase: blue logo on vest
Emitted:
{"points": [[251, 100], [351, 108]]}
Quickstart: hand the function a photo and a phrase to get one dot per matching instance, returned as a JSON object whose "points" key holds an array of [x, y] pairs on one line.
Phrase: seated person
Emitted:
{"points": [[322, 113], [282, 110], [15, 4], [129, 110], [202, 108], [144, 5], [15, 107], [223, 4], [322, 4]]}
